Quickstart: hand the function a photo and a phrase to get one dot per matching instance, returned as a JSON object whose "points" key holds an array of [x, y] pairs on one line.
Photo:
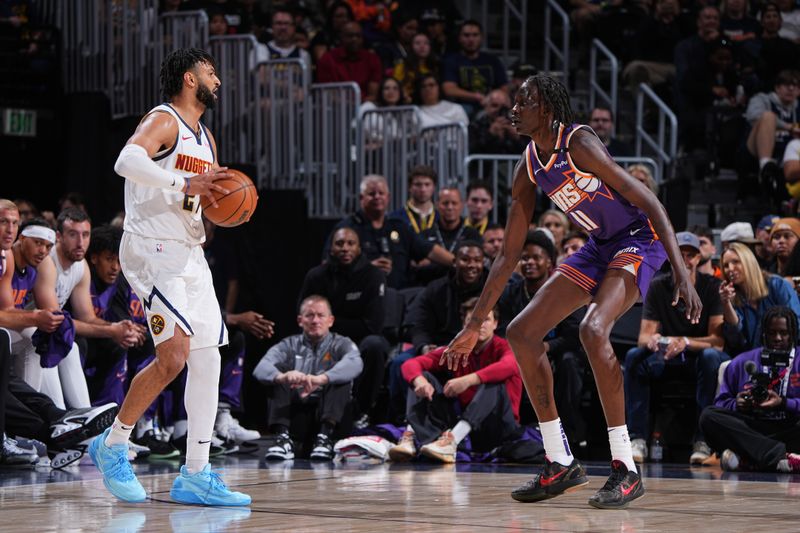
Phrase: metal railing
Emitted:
{"points": [[497, 170], [596, 90], [387, 145], [512, 11], [444, 148], [332, 174], [665, 148], [561, 53], [183, 29]]}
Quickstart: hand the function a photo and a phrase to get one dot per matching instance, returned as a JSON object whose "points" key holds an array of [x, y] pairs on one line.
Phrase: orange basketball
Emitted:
{"points": [[237, 206]]}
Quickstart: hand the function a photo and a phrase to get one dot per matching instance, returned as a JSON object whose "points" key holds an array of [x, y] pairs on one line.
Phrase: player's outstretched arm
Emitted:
{"points": [[523, 201], [589, 155]]}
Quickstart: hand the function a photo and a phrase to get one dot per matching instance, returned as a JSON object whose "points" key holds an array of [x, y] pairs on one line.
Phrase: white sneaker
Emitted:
{"points": [[701, 452], [405, 449], [442, 449], [227, 427], [639, 449], [281, 449], [729, 461]]}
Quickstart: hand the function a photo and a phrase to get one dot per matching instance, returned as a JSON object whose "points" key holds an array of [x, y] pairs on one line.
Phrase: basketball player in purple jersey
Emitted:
{"points": [[630, 237]]}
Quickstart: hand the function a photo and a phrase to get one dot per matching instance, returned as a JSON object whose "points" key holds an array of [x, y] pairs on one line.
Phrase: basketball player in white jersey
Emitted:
{"points": [[170, 162]]}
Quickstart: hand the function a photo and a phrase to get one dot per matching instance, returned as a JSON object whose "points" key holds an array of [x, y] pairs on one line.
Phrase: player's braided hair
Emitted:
{"points": [[176, 64], [780, 311], [553, 96]]}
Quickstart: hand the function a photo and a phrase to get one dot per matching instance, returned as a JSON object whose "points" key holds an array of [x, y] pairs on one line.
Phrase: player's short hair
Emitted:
{"points": [[71, 213], [105, 238], [176, 64], [470, 304], [480, 184], [8, 205], [314, 298], [422, 170], [35, 221]]}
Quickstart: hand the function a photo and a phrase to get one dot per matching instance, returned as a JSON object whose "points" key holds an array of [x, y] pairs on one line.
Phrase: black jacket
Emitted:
{"points": [[356, 294], [435, 315]]}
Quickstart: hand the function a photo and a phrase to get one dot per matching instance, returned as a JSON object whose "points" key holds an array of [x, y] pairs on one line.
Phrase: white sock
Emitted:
{"points": [[763, 161], [200, 400], [461, 430], [143, 426], [119, 434], [620, 444], [556, 446]]}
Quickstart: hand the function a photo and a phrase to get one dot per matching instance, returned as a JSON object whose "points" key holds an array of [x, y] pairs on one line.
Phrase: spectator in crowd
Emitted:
{"points": [[655, 42], [470, 74], [492, 241], [434, 24], [433, 111], [399, 46], [601, 120], [491, 131], [773, 119], [790, 15], [312, 371], [252, 18], [448, 232], [736, 23], [738, 232], [488, 391], [755, 420], [355, 290], [783, 238], [282, 45], [573, 242], [217, 23], [351, 62], [27, 209], [763, 249], [747, 293], [388, 243], [667, 338], [480, 201], [377, 127], [708, 251], [419, 211], [562, 344], [415, 65], [643, 174], [329, 37], [769, 52], [557, 223], [791, 168]]}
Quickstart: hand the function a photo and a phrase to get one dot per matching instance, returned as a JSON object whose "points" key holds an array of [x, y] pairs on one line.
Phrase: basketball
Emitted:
{"points": [[237, 206], [587, 184]]}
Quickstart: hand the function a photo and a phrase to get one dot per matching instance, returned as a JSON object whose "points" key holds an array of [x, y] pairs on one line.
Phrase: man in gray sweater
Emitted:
{"points": [[309, 374]]}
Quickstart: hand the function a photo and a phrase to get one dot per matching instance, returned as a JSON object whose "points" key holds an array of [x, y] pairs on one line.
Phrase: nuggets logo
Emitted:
{"points": [[157, 324]]}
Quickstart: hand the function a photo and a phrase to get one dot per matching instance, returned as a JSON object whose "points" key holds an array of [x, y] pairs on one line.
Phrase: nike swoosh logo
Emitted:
{"points": [[635, 231], [203, 441], [537, 170], [627, 491], [185, 138], [545, 481]]}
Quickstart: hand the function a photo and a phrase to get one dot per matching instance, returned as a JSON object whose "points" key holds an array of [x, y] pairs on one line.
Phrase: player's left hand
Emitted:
{"points": [[459, 349], [684, 290]]}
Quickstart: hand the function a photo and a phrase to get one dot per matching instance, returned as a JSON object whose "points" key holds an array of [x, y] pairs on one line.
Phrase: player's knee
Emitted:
{"points": [[169, 365], [593, 333]]}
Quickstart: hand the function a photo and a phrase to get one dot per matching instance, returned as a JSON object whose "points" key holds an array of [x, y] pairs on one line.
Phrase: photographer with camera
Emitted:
{"points": [[756, 413]]}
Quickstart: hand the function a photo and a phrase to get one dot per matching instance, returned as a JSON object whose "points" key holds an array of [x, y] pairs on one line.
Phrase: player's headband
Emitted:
{"points": [[40, 232]]}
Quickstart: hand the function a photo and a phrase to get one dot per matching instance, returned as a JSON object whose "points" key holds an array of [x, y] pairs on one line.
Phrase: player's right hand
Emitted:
{"points": [[47, 321], [459, 349], [203, 184]]}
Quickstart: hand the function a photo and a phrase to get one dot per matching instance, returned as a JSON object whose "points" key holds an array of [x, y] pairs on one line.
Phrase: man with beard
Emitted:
{"points": [[355, 290], [448, 231], [561, 344], [169, 163], [707, 251]]}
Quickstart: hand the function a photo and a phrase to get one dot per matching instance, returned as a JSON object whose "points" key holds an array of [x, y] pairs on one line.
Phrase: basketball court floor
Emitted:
{"points": [[301, 496]]}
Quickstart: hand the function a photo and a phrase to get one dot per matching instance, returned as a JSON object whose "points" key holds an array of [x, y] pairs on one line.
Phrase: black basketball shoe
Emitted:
{"points": [[553, 480], [623, 486]]}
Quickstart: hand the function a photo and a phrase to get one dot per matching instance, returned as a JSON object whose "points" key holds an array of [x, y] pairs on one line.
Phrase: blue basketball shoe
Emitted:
{"points": [[118, 476], [205, 488]]}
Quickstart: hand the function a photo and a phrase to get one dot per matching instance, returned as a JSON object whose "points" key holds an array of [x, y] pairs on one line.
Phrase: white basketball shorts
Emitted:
{"points": [[173, 281]]}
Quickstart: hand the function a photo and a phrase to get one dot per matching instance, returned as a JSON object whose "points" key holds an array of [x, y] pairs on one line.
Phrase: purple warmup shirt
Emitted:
{"points": [[600, 210], [22, 285]]}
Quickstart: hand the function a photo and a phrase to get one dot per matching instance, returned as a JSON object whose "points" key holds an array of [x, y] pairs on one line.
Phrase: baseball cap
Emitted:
{"points": [[767, 221], [738, 232], [686, 238], [790, 223]]}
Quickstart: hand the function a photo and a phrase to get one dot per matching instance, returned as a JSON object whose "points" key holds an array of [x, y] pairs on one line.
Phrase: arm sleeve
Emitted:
{"points": [[134, 164], [273, 363], [415, 366], [729, 387], [349, 366], [325, 70], [420, 248], [450, 68]]}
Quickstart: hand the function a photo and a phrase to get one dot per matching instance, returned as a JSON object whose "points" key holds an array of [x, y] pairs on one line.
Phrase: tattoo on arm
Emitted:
{"points": [[542, 398]]}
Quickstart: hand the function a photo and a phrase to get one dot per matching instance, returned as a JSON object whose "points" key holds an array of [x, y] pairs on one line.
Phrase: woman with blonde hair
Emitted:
{"points": [[642, 173], [746, 293], [558, 224]]}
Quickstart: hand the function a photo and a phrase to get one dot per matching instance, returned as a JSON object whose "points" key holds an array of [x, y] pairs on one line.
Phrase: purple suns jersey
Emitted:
{"points": [[101, 300], [22, 286], [594, 206]]}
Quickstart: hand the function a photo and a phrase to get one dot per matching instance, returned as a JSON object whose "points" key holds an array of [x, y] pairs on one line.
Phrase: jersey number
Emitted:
{"points": [[583, 220], [189, 204]]}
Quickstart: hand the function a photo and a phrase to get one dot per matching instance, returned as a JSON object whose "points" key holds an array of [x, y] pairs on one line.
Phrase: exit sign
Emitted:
{"points": [[19, 122]]}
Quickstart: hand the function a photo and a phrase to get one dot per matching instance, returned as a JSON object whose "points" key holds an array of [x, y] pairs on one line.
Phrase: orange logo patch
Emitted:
{"points": [[157, 324]]}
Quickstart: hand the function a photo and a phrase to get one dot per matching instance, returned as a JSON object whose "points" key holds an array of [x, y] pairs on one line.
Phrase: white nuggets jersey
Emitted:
{"points": [[163, 214]]}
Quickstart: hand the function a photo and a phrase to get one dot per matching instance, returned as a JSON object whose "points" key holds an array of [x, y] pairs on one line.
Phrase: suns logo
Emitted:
{"points": [[587, 183]]}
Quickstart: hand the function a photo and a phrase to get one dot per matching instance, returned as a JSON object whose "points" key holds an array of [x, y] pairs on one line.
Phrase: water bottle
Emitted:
{"points": [[656, 448]]}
